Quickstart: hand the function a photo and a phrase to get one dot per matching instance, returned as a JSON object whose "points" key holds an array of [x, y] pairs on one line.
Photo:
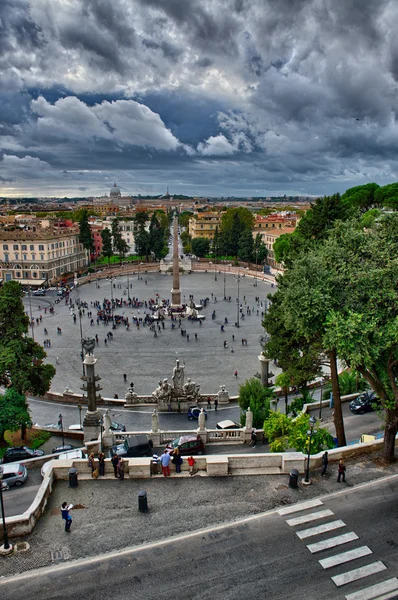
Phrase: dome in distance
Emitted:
{"points": [[115, 192]]}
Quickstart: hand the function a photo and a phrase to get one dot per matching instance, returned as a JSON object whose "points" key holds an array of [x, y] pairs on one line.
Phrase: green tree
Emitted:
{"points": [[283, 381], [107, 250], [363, 197], [200, 246], [143, 243], [183, 218], [283, 432], [141, 218], [387, 196], [156, 235], [14, 413], [233, 222], [215, 245], [255, 395], [259, 249], [21, 358], [119, 244], [85, 235], [246, 245]]}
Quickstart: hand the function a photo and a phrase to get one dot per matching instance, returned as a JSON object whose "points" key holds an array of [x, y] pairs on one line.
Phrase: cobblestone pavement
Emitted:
{"points": [[106, 516], [145, 359]]}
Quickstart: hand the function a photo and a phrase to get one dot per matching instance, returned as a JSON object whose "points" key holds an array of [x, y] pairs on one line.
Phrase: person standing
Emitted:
{"points": [[177, 460], [325, 462], [101, 464], [215, 403], [114, 461], [154, 464], [253, 439], [65, 508], [192, 467], [165, 462], [208, 403], [91, 463], [120, 468], [342, 470]]}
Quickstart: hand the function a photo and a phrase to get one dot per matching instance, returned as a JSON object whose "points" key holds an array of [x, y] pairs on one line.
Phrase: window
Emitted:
{"points": [[6, 258], [33, 256], [34, 274], [18, 274], [5, 246], [52, 246], [32, 247], [15, 247], [41, 247], [16, 256], [41, 256], [24, 257], [24, 247]]}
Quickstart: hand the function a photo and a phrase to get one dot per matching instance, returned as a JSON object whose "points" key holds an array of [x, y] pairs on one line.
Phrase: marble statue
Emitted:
{"points": [[107, 422], [163, 391], [202, 419], [249, 420], [178, 376], [131, 396], [191, 389], [155, 421]]}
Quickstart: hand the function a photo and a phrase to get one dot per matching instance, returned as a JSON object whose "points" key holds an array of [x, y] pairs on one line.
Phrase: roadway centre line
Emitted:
{"points": [[297, 507], [386, 588], [343, 557], [338, 540], [365, 571], [306, 533], [320, 514]]}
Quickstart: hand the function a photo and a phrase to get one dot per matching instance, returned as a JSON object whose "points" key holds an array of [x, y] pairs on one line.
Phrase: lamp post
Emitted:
{"points": [[79, 408], [30, 311], [81, 338], [238, 305], [320, 401], [6, 547], [310, 433], [101, 423], [61, 426]]}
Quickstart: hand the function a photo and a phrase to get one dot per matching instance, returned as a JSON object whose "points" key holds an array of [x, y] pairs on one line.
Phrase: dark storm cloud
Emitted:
{"points": [[224, 96]]}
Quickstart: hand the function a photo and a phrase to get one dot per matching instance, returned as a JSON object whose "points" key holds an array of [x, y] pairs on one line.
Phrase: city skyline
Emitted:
{"points": [[230, 98]]}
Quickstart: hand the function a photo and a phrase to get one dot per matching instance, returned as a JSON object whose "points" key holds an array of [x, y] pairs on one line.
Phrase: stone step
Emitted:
{"points": [[259, 471]]}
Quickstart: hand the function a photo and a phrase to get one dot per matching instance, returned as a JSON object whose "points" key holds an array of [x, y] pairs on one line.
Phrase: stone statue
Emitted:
{"points": [[191, 389], [163, 391], [88, 345], [178, 376], [131, 396], [107, 422], [223, 395], [202, 419], [158, 392], [249, 420], [155, 421]]}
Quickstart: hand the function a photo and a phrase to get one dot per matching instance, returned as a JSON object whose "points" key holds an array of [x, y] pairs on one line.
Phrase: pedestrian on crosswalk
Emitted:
{"points": [[325, 462]]}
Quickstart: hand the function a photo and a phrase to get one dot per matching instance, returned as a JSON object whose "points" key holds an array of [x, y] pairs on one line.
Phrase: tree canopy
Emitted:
{"points": [[200, 246]]}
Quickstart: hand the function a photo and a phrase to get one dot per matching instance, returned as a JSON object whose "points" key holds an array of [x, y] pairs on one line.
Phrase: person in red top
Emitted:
{"points": [[192, 468]]}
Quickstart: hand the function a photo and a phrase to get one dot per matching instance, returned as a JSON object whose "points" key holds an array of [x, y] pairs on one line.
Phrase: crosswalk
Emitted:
{"points": [[385, 590]]}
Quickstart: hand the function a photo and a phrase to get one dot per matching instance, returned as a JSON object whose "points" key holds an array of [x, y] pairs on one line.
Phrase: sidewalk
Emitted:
{"points": [[106, 516]]}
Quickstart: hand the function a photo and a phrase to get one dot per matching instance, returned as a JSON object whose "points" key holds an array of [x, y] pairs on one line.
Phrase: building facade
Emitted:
{"points": [[39, 255], [204, 225]]}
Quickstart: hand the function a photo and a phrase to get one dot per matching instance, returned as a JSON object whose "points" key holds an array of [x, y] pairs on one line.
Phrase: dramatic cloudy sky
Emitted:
{"points": [[211, 97]]}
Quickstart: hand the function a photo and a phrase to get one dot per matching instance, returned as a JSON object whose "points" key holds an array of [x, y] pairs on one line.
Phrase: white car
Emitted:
{"points": [[69, 455], [228, 424]]}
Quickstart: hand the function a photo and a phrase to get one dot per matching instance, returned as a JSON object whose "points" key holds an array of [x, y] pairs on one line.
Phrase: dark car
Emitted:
{"points": [[117, 426], [366, 402], [188, 444], [194, 412], [134, 446], [21, 453], [64, 448]]}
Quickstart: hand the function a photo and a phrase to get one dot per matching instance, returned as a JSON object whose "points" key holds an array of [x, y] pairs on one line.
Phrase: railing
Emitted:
{"points": [[226, 435], [165, 436]]}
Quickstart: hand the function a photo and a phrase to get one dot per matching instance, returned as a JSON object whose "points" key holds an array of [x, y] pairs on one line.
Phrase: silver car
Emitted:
{"points": [[13, 474]]}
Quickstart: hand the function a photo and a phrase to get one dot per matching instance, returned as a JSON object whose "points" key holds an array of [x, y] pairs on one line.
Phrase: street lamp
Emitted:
{"points": [[79, 408], [6, 547], [238, 305], [310, 433], [61, 426], [101, 423], [81, 338]]}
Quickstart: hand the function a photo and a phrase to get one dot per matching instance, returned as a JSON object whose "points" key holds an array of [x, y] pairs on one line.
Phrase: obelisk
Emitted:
{"points": [[176, 291]]}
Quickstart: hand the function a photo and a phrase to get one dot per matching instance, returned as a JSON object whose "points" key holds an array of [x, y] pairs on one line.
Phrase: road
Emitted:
{"points": [[256, 557], [18, 499]]}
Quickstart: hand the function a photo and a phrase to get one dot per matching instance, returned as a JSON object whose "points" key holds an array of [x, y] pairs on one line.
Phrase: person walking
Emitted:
{"points": [[236, 373], [215, 403], [120, 468], [101, 464], [91, 463], [325, 462], [253, 439], [192, 468], [177, 460], [65, 508], [165, 462], [342, 470], [114, 461]]}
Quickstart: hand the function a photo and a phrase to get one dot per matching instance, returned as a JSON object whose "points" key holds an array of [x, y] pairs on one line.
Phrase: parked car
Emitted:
{"points": [[228, 424], [75, 427], [63, 448], [188, 444], [133, 446], [366, 402], [20, 453], [194, 412], [39, 293], [14, 474], [69, 455], [113, 427]]}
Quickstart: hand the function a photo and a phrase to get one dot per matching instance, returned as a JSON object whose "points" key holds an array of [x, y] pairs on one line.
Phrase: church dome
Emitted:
{"points": [[115, 191]]}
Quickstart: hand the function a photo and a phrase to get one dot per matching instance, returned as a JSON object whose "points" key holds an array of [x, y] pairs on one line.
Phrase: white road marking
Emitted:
{"points": [[343, 557], [338, 540], [365, 571], [320, 514], [306, 533], [297, 507], [374, 591]]}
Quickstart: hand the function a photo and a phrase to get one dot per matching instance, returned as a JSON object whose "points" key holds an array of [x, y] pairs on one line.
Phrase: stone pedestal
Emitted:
{"points": [[223, 395], [91, 421], [203, 434], [217, 466], [264, 369], [131, 397]]}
